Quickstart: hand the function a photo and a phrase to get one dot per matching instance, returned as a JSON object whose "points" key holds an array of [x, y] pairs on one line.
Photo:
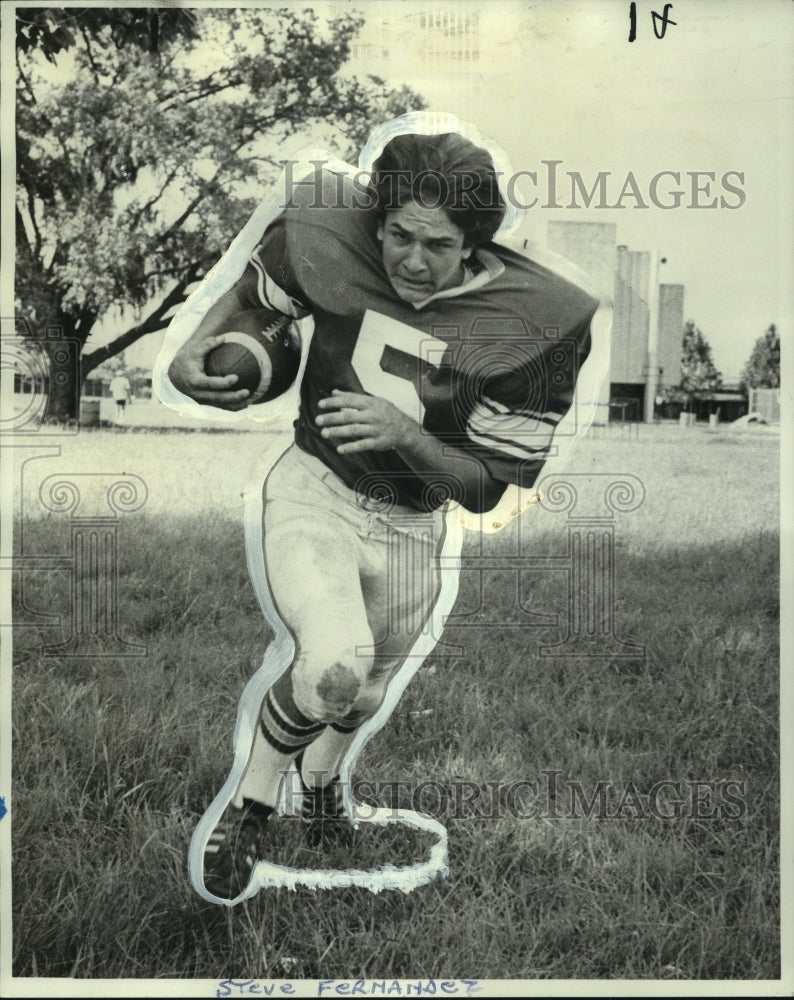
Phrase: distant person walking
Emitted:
{"points": [[120, 389]]}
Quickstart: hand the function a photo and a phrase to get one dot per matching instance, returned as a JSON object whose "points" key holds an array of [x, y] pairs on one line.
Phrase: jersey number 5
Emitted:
{"points": [[385, 361]]}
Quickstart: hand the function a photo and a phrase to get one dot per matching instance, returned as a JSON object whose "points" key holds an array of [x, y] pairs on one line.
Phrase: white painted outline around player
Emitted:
{"points": [[279, 653]]}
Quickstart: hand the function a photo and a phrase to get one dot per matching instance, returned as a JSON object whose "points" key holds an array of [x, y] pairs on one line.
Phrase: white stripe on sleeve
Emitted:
{"points": [[273, 297], [515, 434], [493, 406]]}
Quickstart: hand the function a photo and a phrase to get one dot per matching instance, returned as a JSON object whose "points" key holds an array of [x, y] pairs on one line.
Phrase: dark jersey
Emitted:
{"points": [[488, 367]]}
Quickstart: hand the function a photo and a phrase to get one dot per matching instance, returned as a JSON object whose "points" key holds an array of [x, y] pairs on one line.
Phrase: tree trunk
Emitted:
{"points": [[63, 403], [68, 367], [63, 396]]}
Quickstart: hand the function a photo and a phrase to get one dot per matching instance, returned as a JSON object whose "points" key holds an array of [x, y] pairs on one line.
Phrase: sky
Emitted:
{"points": [[559, 80]]}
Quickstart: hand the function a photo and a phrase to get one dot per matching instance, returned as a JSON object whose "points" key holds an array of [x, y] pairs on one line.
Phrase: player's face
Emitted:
{"points": [[423, 251]]}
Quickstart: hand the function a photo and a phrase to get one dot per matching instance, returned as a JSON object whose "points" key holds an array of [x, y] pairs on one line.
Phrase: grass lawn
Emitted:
{"points": [[115, 760]]}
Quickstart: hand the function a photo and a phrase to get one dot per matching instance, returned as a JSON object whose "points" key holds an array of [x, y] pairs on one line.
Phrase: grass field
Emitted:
{"points": [[116, 759]]}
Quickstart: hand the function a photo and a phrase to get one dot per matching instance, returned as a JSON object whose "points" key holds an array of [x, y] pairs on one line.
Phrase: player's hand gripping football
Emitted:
{"points": [[355, 422], [187, 374]]}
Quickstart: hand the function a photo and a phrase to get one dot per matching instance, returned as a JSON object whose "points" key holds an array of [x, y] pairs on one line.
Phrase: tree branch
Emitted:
{"points": [[284, 114], [199, 95], [166, 272], [89, 53], [36, 248], [139, 212], [154, 321], [204, 190], [25, 80]]}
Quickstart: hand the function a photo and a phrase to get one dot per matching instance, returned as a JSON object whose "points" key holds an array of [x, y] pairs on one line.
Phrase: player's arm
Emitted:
{"points": [[427, 456], [255, 289], [356, 422], [186, 371]]}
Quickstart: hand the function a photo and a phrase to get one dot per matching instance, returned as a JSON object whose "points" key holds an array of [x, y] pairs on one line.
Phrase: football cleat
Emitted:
{"points": [[324, 817], [234, 847]]}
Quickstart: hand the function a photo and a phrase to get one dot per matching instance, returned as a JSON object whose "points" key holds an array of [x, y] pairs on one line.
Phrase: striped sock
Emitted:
{"points": [[282, 733], [349, 724], [284, 726]]}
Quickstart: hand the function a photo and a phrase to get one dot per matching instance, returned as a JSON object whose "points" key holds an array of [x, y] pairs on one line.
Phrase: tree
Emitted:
{"points": [[136, 169], [762, 370], [698, 378], [52, 30]]}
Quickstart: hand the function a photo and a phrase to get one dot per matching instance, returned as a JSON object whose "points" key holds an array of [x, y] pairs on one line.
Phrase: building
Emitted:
{"points": [[671, 326], [648, 317], [765, 402]]}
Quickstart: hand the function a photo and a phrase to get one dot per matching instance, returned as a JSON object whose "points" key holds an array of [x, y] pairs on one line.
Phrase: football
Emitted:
{"points": [[263, 349]]}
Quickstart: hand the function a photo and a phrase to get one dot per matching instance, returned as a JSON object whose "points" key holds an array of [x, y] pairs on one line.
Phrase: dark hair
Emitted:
{"points": [[441, 171]]}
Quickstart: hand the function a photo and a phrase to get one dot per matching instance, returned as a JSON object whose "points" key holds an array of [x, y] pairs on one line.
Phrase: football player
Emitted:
{"points": [[428, 385]]}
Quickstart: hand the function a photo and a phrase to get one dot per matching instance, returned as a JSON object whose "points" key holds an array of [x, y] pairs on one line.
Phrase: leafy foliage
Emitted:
{"points": [[52, 30], [699, 377], [762, 370], [135, 170]]}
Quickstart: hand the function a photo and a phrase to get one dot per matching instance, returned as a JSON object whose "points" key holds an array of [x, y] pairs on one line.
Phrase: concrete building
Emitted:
{"points": [[671, 325], [437, 49], [648, 318]]}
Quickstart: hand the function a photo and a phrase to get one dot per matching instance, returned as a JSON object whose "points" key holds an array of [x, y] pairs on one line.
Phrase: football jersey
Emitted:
{"points": [[488, 366]]}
